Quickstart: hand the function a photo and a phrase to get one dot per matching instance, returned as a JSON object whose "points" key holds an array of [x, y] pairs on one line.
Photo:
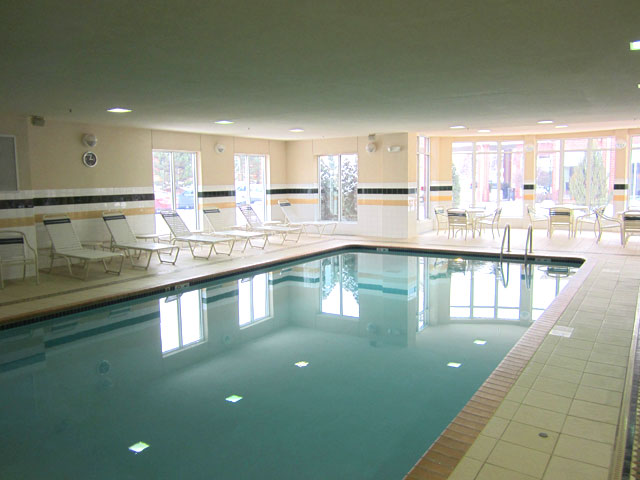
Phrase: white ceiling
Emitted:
{"points": [[332, 67]]}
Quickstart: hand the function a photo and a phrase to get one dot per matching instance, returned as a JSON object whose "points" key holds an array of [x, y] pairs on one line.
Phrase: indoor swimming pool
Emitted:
{"points": [[336, 367]]}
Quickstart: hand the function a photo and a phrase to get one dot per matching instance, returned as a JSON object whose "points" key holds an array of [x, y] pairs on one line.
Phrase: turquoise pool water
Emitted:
{"points": [[343, 367]]}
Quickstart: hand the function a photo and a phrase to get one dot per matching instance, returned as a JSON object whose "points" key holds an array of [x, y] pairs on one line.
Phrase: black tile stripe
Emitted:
{"points": [[621, 186], [386, 191], [16, 203], [132, 197], [292, 191], [440, 188], [219, 193], [529, 186]]}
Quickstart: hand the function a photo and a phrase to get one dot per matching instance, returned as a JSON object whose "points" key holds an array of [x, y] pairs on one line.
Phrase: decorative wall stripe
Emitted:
{"points": [[440, 188], [529, 186], [133, 197], [387, 203], [220, 193], [621, 186], [292, 191], [98, 213], [386, 191], [17, 222]]}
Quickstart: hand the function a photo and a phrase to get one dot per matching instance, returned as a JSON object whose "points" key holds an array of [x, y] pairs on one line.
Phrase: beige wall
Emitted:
{"points": [[55, 153], [302, 166]]}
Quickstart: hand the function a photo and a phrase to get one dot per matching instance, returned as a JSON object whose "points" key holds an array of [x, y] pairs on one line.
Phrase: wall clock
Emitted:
{"points": [[89, 159]]}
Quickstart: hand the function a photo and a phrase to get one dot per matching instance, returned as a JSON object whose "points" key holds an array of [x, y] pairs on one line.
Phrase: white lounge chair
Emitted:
{"points": [[122, 238], [630, 225], [214, 218], [255, 224], [65, 244], [181, 233], [15, 250], [294, 220]]}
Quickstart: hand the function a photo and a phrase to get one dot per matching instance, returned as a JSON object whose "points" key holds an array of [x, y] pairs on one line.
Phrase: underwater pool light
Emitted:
{"points": [[480, 342], [301, 364], [454, 365], [138, 447], [233, 398]]}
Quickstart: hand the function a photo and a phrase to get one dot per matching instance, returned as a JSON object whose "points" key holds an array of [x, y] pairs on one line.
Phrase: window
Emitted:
{"points": [[250, 184], [8, 165], [181, 322], [254, 299], [339, 285], [489, 174], [338, 187], [423, 177], [634, 173], [174, 186], [577, 171]]}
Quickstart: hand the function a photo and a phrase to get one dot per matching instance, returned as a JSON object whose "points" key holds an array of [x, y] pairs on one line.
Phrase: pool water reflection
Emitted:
{"points": [[346, 366]]}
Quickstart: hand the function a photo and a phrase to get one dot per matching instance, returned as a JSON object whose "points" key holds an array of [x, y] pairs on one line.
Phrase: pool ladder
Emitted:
{"points": [[528, 245]]}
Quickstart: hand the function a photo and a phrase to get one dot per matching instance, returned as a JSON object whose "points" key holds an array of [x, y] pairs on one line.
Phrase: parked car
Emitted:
{"points": [[162, 201]]}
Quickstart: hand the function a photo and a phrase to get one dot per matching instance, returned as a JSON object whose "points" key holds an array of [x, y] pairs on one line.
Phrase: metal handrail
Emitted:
{"points": [[506, 236], [528, 242]]}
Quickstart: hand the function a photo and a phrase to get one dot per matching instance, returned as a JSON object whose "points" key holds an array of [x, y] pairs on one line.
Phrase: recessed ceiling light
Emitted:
{"points": [[119, 110], [454, 365], [301, 364], [480, 342], [634, 45], [543, 122], [224, 122], [455, 127], [296, 130], [562, 126], [484, 130], [138, 447], [233, 398], [639, 85]]}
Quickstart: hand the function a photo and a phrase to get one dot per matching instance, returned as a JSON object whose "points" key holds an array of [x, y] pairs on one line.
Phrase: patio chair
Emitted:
{"points": [[441, 219], [65, 244], [293, 219], [458, 221], [255, 224], [181, 233], [604, 223], [16, 250], [491, 221], [536, 217], [214, 218], [630, 225], [123, 238], [588, 218], [560, 217]]}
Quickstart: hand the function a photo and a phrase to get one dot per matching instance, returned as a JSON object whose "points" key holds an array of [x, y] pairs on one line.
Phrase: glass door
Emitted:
{"points": [[250, 184], [174, 187]]}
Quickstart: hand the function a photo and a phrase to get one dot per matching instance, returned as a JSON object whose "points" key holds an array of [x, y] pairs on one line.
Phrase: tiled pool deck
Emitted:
{"points": [[555, 408]]}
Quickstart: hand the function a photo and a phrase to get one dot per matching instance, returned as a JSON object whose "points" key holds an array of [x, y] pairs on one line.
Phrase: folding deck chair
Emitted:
{"points": [[122, 238], [15, 250], [65, 244], [213, 217], [256, 224], [294, 220], [181, 233]]}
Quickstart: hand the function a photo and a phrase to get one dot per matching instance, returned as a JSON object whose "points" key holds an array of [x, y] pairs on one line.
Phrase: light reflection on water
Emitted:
{"points": [[377, 335]]}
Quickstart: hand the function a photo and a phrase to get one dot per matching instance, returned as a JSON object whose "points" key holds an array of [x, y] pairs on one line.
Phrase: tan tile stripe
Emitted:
{"points": [[445, 453], [620, 198], [441, 198], [299, 201], [87, 214], [16, 222], [219, 204]]}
